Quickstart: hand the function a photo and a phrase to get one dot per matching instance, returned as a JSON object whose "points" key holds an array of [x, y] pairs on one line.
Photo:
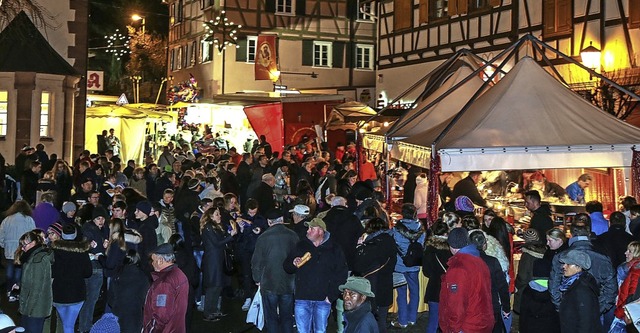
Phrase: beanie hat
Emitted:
{"points": [[531, 236], [464, 204], [56, 228], [69, 232], [68, 206], [144, 206], [99, 211], [108, 323], [458, 238]]}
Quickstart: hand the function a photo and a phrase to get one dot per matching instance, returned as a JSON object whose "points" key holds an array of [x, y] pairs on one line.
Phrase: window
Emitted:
{"points": [[179, 14], [634, 14], [206, 3], [402, 14], [172, 12], [364, 56], [285, 7], [4, 111], [252, 44], [437, 9], [179, 60], [45, 111], [557, 18], [206, 51], [172, 59], [366, 11], [192, 54], [322, 54]]}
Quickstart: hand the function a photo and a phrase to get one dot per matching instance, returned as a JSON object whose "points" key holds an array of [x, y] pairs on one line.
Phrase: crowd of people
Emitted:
{"points": [[309, 230]]}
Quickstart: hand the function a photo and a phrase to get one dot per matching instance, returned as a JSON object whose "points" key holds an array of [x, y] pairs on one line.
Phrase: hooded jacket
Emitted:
{"points": [[272, 247], [530, 253], [434, 262], [35, 291], [70, 267], [404, 232]]}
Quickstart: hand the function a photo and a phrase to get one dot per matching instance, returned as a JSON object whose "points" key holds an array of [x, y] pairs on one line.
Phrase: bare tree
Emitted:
{"points": [[39, 14]]}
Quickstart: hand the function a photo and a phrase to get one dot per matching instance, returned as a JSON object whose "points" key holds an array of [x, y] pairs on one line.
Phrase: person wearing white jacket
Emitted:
{"points": [[17, 222], [420, 196]]}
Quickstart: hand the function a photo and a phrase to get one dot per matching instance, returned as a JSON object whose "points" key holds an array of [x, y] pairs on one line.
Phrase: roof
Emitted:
{"points": [[24, 49]]}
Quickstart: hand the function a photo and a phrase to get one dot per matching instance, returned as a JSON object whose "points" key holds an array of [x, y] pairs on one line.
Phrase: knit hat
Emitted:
{"points": [[578, 258], [7, 324], [99, 211], [165, 248], [531, 236], [68, 206], [464, 204], [359, 285], [273, 214], [69, 232], [144, 206], [56, 228], [108, 323], [193, 184], [458, 238]]}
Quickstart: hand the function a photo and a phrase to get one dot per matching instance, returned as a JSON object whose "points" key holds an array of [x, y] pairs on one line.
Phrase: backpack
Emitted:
{"points": [[413, 257]]}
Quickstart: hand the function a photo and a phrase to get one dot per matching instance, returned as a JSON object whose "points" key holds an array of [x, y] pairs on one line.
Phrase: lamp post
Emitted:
{"points": [[136, 17], [590, 56]]}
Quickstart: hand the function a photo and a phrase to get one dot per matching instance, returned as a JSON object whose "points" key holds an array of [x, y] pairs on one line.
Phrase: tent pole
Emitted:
{"points": [[546, 61], [386, 172]]}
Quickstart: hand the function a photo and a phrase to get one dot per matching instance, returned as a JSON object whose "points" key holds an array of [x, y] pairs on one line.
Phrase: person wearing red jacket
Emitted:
{"points": [[166, 303], [465, 295]]}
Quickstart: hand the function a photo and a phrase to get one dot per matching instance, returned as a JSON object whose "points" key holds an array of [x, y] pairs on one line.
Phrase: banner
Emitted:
{"points": [[266, 67], [267, 119]]}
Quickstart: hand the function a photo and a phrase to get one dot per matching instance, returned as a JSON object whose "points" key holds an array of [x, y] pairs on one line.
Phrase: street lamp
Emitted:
{"points": [[590, 56], [136, 17]]}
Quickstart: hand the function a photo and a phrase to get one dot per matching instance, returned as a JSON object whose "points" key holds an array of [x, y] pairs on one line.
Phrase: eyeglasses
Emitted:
{"points": [[24, 245]]}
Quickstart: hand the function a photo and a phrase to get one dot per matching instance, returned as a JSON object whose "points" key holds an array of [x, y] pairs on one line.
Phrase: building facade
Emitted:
{"points": [[325, 46], [417, 35]]}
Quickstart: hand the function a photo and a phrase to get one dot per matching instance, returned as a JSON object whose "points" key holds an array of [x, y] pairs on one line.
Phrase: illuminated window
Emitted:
{"points": [[179, 59], [322, 54], [364, 56], [206, 51], [4, 111], [45, 112]]}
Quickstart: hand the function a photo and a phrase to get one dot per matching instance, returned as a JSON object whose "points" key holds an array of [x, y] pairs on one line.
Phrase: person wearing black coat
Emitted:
{"points": [[615, 241], [147, 224], [410, 183], [579, 309], [541, 219], [70, 268], [468, 187], [537, 312], [434, 265], [345, 228], [264, 193], [127, 293], [376, 262], [243, 175]]}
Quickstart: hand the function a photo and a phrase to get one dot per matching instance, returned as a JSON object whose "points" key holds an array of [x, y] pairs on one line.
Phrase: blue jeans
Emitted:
{"points": [[408, 312], [32, 324], [278, 312], [68, 314], [14, 273], [432, 323], [311, 316], [93, 284]]}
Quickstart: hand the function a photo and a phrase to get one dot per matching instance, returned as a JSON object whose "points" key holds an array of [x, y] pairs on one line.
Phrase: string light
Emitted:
{"points": [[221, 32], [118, 44]]}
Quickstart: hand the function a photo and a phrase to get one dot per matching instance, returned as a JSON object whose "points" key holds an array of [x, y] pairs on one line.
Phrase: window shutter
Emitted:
{"points": [[307, 52], [634, 14], [402, 14], [352, 9], [463, 6], [549, 18], [565, 16], [241, 50], [350, 55], [495, 3], [424, 11], [270, 6], [338, 54], [453, 7], [301, 7]]}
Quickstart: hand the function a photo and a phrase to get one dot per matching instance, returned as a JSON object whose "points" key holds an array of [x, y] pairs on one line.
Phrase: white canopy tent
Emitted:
{"points": [[528, 120]]}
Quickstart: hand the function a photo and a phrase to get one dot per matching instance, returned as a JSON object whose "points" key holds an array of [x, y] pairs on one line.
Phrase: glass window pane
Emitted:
{"points": [[4, 96]]}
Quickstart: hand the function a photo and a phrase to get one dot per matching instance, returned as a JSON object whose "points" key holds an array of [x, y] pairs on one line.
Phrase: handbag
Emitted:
{"points": [[398, 280], [255, 315], [228, 266]]}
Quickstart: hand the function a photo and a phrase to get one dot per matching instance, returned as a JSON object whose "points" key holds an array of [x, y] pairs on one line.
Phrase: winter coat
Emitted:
{"points": [[264, 195], [165, 305], [530, 253], [272, 248], [320, 277], [126, 297], [187, 202], [360, 320], [495, 250], [465, 297], [345, 229], [579, 310], [91, 232], [147, 229], [500, 298], [467, 187], [404, 232], [614, 243], [541, 220], [246, 242], [436, 255], [70, 267], [11, 229], [44, 215], [420, 197], [36, 297], [214, 242], [113, 259], [537, 312], [377, 250], [601, 269], [139, 184], [627, 289]]}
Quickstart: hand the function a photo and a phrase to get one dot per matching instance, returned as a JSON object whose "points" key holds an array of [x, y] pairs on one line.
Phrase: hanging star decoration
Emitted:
{"points": [[118, 44], [221, 32]]}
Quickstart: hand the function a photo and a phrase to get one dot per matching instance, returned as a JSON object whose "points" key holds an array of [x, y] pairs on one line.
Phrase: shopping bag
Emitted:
{"points": [[632, 311], [256, 315]]}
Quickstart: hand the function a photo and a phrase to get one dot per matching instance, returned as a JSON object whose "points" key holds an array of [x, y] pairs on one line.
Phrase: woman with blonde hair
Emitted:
{"points": [[214, 241], [18, 220]]}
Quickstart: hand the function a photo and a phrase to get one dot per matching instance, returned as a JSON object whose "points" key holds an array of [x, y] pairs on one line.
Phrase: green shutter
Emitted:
{"points": [[307, 52], [301, 7], [241, 50], [338, 54], [351, 55], [352, 9], [270, 6]]}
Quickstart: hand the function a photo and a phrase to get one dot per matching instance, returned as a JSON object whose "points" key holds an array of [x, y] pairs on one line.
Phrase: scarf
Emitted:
{"points": [[568, 281]]}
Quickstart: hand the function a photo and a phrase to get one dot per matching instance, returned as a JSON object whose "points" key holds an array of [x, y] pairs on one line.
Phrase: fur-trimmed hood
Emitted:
{"points": [[409, 229], [438, 242], [71, 245], [132, 237], [534, 250]]}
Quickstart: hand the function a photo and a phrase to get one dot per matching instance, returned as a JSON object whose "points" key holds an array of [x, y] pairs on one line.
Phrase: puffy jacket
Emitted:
{"points": [[601, 269], [11, 229], [627, 289], [36, 297], [403, 236], [165, 306]]}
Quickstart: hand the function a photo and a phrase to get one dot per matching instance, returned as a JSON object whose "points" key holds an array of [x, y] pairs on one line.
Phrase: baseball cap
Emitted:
{"points": [[300, 210], [316, 222]]}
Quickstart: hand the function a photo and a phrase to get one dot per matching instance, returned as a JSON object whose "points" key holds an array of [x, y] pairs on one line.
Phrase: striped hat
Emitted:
{"points": [[56, 228]]}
